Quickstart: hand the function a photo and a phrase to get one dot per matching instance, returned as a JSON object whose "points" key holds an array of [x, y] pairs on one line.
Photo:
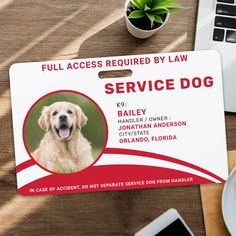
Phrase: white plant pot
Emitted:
{"points": [[140, 33]]}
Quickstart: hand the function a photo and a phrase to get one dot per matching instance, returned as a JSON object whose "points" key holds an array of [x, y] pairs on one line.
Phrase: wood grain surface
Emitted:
{"points": [[211, 202], [33, 30]]}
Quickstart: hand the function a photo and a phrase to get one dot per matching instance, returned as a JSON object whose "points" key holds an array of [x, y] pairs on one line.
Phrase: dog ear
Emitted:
{"points": [[43, 119], [81, 117]]}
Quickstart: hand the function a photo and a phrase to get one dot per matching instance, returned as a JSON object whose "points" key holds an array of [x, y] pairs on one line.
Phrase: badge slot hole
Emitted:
{"points": [[112, 74]]}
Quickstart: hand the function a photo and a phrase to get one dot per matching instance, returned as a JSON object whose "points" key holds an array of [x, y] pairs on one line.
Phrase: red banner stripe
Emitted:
{"points": [[100, 176], [24, 165]]}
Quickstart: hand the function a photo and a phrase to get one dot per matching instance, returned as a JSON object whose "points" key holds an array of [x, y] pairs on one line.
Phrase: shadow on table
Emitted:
{"points": [[39, 30], [104, 213], [115, 40]]}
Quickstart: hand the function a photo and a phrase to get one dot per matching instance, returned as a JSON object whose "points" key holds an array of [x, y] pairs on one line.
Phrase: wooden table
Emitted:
{"points": [[33, 30]]}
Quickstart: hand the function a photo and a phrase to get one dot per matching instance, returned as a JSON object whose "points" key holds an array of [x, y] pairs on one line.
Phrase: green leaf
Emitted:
{"points": [[164, 3], [175, 9], [147, 8], [172, 7], [156, 3], [160, 9], [143, 3], [136, 14], [149, 3], [158, 19], [137, 3], [151, 18]]}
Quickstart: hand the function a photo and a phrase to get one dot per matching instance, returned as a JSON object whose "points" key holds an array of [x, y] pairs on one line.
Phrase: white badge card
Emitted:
{"points": [[162, 125]]}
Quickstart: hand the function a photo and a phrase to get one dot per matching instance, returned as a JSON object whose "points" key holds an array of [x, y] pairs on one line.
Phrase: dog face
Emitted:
{"points": [[62, 119]]}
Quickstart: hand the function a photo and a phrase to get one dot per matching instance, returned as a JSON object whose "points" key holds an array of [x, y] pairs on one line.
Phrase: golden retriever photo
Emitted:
{"points": [[63, 147]]}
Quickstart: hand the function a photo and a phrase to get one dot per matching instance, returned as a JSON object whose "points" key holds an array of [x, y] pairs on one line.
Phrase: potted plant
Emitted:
{"points": [[145, 17]]}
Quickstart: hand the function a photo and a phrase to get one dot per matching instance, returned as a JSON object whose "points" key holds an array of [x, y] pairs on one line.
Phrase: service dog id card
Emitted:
{"points": [[160, 123]]}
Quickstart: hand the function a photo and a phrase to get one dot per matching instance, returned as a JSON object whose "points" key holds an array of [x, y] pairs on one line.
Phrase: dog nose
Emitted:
{"points": [[63, 118]]}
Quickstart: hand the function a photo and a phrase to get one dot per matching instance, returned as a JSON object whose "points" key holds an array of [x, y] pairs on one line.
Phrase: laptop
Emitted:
{"points": [[216, 29]]}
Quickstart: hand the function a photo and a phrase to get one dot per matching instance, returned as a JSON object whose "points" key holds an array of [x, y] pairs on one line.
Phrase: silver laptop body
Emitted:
{"points": [[216, 29]]}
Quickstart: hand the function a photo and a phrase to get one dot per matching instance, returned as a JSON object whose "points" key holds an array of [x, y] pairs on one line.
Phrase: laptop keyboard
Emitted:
{"points": [[225, 21]]}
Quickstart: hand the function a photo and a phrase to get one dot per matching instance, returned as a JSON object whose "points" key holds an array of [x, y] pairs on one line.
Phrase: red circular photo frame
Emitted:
{"points": [[65, 91]]}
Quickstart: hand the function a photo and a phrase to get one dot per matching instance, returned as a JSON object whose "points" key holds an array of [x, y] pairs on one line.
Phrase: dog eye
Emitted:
{"points": [[54, 113], [69, 112]]}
